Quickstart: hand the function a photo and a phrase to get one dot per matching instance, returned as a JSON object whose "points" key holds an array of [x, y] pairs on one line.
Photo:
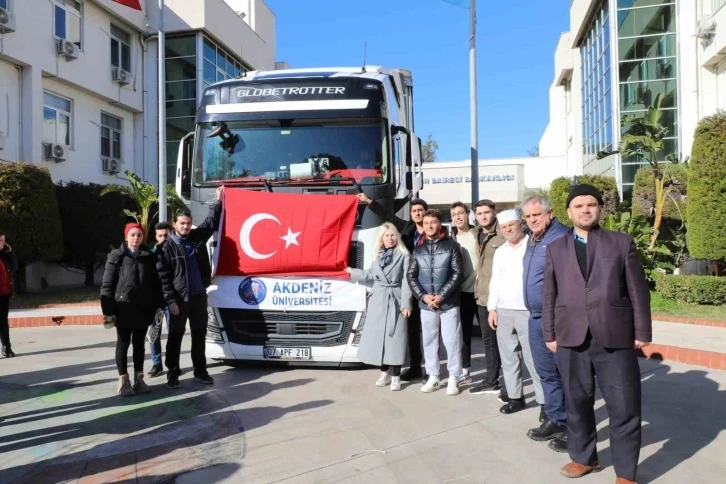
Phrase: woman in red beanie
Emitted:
{"points": [[130, 294]]}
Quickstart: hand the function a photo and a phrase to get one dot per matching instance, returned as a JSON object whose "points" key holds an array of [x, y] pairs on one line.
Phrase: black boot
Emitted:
{"points": [[559, 444], [542, 414], [8, 352], [547, 431]]}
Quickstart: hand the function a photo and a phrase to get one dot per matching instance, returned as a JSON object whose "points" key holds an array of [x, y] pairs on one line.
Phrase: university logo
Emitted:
{"points": [[252, 291]]}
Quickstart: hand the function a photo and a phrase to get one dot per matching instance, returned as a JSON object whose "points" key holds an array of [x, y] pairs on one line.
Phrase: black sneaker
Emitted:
{"points": [[559, 444], [206, 379], [155, 371], [413, 373], [547, 431], [514, 405], [172, 379], [542, 414], [8, 352], [486, 388]]}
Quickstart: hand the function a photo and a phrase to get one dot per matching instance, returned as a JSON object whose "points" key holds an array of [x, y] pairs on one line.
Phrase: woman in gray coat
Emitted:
{"points": [[383, 342]]}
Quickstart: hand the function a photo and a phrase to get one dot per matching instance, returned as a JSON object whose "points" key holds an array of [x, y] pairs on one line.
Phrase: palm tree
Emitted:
{"points": [[144, 195]]}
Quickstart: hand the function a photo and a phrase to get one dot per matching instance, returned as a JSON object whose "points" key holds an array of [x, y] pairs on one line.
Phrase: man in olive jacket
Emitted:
{"points": [[489, 238]]}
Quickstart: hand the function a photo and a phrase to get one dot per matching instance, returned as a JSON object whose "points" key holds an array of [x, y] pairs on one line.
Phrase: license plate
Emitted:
{"points": [[287, 353]]}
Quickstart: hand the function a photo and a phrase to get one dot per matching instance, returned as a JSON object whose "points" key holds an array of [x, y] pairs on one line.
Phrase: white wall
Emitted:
{"points": [[10, 93]]}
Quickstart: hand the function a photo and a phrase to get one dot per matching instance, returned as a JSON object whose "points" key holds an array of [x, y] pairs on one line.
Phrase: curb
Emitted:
{"points": [[55, 306], [687, 320], [84, 320], [687, 356]]}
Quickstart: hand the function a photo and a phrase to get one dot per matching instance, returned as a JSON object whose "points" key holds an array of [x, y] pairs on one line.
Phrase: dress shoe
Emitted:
{"points": [[621, 480], [514, 405], [574, 470], [542, 414], [547, 431], [559, 444]]}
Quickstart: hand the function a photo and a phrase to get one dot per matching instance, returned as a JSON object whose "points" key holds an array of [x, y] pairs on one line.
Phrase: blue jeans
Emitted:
{"points": [[545, 362], [155, 346]]}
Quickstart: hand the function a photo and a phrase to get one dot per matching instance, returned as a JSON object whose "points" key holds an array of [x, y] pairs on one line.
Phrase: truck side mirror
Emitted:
{"points": [[183, 168]]}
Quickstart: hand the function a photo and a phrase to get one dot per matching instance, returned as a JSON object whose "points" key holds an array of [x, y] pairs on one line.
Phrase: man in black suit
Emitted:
{"points": [[596, 314]]}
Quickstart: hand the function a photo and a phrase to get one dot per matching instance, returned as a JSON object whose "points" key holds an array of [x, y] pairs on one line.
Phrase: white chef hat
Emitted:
{"points": [[506, 216]]}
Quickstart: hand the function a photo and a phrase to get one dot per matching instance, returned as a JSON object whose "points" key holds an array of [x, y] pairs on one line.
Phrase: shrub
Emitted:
{"points": [[609, 190], [29, 212], [559, 189], [706, 206], [692, 289], [91, 225], [644, 196]]}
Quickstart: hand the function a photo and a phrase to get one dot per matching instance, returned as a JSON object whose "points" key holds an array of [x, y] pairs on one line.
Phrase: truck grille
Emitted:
{"points": [[255, 327]]}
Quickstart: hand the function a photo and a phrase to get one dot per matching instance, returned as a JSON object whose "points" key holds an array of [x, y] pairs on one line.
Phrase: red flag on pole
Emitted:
{"points": [[267, 233], [135, 4]]}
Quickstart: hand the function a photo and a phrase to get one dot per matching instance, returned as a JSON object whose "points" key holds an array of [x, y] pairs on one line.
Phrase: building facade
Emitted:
{"points": [[506, 181], [79, 83], [618, 58], [78, 78]]}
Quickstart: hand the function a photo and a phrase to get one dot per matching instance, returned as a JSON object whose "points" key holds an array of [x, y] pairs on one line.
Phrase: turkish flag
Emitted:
{"points": [[135, 4], [266, 233]]}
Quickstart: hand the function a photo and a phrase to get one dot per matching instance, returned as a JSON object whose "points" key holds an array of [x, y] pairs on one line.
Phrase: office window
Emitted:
{"points": [[5, 4], [110, 136], [120, 48], [57, 116], [68, 20], [219, 65]]}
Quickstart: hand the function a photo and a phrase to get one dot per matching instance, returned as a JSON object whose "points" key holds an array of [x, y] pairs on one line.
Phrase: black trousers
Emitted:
{"points": [[395, 369], [4, 324], [468, 313], [492, 360], [414, 337], [618, 376], [196, 311], [130, 337]]}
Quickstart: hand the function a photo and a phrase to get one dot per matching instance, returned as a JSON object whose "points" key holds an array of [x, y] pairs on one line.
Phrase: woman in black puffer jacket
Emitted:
{"points": [[130, 295]]}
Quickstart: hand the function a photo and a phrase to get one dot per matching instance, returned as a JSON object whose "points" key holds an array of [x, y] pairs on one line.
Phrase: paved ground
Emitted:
{"points": [[61, 422]]}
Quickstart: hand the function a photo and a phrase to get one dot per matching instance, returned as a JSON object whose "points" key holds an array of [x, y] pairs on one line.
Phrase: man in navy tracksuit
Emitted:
{"points": [[544, 230]]}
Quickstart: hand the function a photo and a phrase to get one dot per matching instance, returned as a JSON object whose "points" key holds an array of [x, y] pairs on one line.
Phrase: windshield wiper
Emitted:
{"points": [[247, 179]]}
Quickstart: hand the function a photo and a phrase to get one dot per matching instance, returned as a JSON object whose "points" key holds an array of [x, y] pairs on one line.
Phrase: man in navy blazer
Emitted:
{"points": [[596, 314]]}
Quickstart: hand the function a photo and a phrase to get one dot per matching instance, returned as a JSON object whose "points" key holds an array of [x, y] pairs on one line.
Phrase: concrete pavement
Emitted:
{"points": [[61, 422]]}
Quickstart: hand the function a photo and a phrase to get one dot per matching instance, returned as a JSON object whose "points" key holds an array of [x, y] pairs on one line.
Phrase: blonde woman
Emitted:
{"points": [[384, 339]]}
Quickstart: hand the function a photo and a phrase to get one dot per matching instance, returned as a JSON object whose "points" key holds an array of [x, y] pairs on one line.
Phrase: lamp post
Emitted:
{"points": [[162, 117], [472, 104]]}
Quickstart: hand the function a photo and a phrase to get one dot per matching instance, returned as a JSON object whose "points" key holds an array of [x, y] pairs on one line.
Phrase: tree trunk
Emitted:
{"points": [[90, 273], [658, 180]]}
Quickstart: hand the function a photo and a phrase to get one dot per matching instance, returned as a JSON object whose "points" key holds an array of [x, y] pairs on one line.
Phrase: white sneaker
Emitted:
{"points": [[384, 380], [431, 385], [395, 383], [453, 386]]}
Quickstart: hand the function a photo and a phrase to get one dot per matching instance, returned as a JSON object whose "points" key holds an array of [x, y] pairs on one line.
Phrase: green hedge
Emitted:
{"points": [[644, 197], [559, 189], [706, 205], [692, 289], [29, 212]]}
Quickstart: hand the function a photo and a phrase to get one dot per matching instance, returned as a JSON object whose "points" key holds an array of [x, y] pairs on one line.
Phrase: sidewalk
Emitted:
{"points": [[61, 422]]}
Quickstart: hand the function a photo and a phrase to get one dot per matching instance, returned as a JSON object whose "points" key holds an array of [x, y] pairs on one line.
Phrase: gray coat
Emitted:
{"points": [[384, 341]]}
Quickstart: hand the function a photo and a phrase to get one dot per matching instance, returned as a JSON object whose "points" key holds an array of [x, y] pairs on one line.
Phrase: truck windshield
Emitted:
{"points": [[288, 152]]}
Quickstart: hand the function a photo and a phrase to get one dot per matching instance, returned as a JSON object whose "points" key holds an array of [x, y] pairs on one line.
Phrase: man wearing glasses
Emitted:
{"points": [[545, 229]]}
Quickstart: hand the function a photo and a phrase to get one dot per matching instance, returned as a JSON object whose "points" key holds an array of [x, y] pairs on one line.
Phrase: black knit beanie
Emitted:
{"points": [[584, 189]]}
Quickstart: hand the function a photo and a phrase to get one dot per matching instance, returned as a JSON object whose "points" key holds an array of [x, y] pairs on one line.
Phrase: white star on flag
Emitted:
{"points": [[290, 238]]}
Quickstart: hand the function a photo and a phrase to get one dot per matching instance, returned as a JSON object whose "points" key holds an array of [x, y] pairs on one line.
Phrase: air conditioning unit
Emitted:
{"points": [[55, 152], [121, 76], [7, 22], [110, 165], [67, 48]]}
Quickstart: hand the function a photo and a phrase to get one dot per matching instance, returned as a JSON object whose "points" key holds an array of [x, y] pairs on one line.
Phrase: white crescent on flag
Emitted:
{"points": [[244, 235]]}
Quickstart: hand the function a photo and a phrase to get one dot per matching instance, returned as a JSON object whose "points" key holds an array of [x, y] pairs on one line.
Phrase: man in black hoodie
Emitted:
{"points": [[185, 272]]}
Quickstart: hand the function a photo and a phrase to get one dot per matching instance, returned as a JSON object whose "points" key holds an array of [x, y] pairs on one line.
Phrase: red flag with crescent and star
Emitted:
{"points": [[285, 234], [135, 4]]}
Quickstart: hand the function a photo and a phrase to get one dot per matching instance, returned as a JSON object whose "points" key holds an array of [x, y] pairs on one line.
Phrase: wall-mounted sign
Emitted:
{"points": [[467, 179]]}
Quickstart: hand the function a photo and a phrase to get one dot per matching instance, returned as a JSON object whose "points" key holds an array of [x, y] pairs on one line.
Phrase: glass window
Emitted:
{"points": [[210, 51], [177, 128], [641, 3], [56, 119], [181, 46], [645, 70], [120, 48], [111, 136], [210, 72], [175, 109], [67, 20], [5, 4], [647, 21], [181, 90], [181, 69], [647, 47], [221, 59]]}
